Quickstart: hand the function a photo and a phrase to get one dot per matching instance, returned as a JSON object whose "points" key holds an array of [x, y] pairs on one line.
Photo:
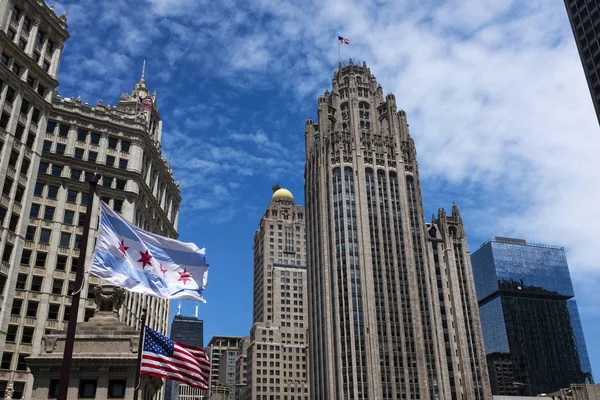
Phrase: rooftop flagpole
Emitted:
{"points": [[65, 372]]}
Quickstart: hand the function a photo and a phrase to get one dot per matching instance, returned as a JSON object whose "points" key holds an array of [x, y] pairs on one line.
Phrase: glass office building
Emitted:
{"points": [[528, 310]]}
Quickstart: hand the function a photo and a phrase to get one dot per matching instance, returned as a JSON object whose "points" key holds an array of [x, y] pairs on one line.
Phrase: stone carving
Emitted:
{"points": [[8, 393], [109, 298], [49, 343]]}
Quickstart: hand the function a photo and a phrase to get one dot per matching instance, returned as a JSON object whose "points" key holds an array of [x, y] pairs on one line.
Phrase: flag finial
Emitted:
{"points": [[143, 69]]}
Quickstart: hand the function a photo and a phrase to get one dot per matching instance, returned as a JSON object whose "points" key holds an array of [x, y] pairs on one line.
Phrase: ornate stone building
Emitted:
{"points": [[104, 356], [49, 147], [392, 306], [276, 355]]}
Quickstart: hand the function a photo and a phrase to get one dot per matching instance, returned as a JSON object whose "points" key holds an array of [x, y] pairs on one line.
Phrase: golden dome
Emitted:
{"points": [[282, 194]]}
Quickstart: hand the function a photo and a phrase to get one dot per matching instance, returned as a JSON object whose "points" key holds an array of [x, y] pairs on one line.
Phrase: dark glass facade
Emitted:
{"points": [[527, 309], [185, 330], [584, 16]]}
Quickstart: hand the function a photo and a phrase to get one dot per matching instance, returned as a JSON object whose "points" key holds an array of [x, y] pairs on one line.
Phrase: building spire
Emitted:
{"points": [[143, 69]]}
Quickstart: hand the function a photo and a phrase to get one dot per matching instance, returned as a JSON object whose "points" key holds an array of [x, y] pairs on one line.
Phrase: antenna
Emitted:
{"points": [[143, 68], [179, 308], [196, 313]]}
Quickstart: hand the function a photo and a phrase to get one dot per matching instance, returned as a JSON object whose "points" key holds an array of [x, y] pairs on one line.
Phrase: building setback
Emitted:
{"points": [[392, 306], [276, 353], [585, 23], [528, 313], [49, 148]]}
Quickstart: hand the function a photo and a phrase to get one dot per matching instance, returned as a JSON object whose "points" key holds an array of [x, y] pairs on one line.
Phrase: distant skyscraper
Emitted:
{"points": [[49, 148], [276, 352], [220, 346], [187, 330], [392, 305], [528, 311], [585, 17]]}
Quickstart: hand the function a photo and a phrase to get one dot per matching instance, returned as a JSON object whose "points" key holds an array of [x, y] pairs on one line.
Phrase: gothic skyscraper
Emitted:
{"points": [[392, 305]]}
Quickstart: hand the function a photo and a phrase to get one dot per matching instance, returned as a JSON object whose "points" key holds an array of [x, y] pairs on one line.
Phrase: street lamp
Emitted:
{"points": [[521, 384]]}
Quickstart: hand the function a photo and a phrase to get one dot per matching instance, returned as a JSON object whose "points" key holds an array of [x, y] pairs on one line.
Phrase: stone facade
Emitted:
{"points": [[276, 356], [49, 147], [219, 346], [105, 354], [392, 306]]}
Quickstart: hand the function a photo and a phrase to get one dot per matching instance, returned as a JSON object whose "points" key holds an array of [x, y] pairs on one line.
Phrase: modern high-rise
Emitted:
{"points": [[528, 312], [391, 300], [276, 356], [49, 148], [585, 23], [187, 330], [221, 346]]}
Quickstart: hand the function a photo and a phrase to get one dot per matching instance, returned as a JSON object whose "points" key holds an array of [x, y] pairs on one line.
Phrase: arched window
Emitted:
{"points": [[364, 115]]}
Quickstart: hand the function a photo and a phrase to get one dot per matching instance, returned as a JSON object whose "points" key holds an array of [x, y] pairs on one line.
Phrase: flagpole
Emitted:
{"points": [[140, 350], [339, 53], [65, 372]]}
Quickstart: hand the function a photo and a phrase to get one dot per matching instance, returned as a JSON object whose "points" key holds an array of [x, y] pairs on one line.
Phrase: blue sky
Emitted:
{"points": [[494, 91]]}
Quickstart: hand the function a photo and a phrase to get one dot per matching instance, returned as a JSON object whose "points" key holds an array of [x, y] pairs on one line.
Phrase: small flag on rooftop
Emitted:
{"points": [[144, 262], [165, 358], [343, 40], [145, 103]]}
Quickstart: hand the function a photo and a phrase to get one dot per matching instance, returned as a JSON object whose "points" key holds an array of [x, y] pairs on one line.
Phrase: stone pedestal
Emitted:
{"points": [[104, 355]]}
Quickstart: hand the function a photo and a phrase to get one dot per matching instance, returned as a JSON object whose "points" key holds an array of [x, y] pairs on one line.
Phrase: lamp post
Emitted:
{"points": [[541, 394]]}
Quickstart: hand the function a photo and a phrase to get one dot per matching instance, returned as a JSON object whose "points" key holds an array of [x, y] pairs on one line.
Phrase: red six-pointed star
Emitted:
{"points": [[122, 248], [185, 276], [164, 271], [145, 258]]}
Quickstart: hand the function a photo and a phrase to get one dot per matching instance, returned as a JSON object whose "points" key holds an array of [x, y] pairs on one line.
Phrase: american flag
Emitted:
{"points": [[145, 103], [165, 358], [343, 40]]}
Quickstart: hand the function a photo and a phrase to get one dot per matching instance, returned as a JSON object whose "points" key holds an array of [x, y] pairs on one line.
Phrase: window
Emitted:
{"points": [[26, 23], [40, 259], [27, 336], [95, 139], [56, 170], [65, 239], [118, 205], [121, 184], [30, 139], [11, 33], [49, 213], [32, 307], [16, 14], [21, 363], [60, 149], [90, 293], [92, 156], [34, 212], [77, 241], [84, 199], [8, 248], [41, 89], [7, 186], [53, 388], [26, 257], [52, 192], [39, 189], [5, 59], [11, 333], [53, 311], [43, 167], [112, 143], [67, 312], [2, 215], [30, 80], [71, 196], [87, 388], [74, 264], [6, 360], [89, 313], [110, 161], [21, 281], [57, 286], [10, 95], [14, 157], [78, 154], [63, 130], [81, 135], [125, 146], [46, 66], [19, 193], [76, 174], [25, 166], [116, 387], [17, 69], [30, 234], [123, 163], [61, 263], [45, 236], [36, 283], [81, 219], [22, 43], [68, 217], [14, 220], [49, 47], [16, 307], [4, 119], [107, 182]]}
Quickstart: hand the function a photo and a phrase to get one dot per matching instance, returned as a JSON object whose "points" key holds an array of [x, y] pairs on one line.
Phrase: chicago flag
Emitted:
{"points": [[144, 262]]}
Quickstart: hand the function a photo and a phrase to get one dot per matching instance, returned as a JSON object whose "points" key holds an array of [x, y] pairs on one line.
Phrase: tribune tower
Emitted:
{"points": [[392, 305]]}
